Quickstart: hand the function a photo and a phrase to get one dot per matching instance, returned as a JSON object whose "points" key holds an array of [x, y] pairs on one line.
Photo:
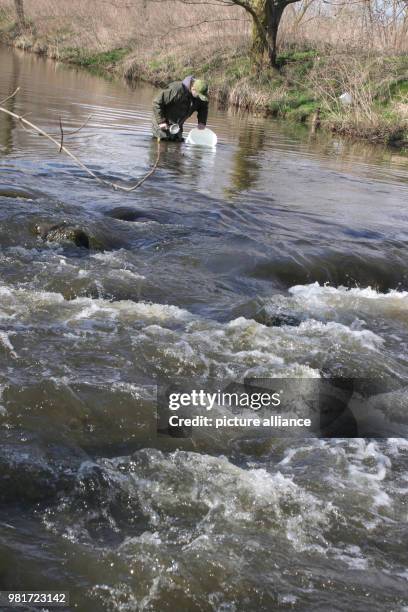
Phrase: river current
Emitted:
{"points": [[279, 254]]}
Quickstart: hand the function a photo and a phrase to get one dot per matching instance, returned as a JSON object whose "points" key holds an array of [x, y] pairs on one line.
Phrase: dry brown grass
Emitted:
{"points": [[89, 24], [170, 27], [364, 79], [99, 25], [242, 95], [402, 109]]}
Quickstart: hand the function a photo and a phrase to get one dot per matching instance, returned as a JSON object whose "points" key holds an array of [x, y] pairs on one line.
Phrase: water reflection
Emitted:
{"points": [[7, 123], [349, 154], [246, 166]]}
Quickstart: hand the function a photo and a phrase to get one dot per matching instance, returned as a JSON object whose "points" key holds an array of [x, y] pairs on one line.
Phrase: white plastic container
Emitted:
{"points": [[204, 138], [346, 99]]}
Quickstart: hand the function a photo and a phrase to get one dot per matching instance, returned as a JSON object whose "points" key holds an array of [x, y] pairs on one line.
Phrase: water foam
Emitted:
{"points": [[326, 298], [6, 343]]}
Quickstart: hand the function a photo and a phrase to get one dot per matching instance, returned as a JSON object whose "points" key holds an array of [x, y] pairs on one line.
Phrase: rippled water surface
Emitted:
{"points": [[278, 254]]}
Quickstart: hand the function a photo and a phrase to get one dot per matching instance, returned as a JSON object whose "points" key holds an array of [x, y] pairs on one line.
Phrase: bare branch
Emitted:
{"points": [[196, 25], [78, 129], [154, 168], [10, 96], [62, 135], [61, 147]]}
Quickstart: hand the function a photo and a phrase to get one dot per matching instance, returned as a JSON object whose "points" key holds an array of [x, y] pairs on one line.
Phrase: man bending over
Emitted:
{"points": [[175, 104]]}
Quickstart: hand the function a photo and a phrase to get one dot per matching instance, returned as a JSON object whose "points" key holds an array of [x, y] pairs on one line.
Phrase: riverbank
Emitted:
{"points": [[306, 87]]}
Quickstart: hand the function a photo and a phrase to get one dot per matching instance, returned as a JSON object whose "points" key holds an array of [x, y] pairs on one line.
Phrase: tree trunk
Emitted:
{"points": [[266, 16], [19, 6], [259, 27], [274, 12]]}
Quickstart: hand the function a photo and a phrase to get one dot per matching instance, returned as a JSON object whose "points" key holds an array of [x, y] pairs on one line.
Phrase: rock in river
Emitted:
{"points": [[63, 232]]}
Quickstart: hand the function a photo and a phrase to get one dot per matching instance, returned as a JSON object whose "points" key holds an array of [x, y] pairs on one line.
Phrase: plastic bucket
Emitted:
{"points": [[204, 138]]}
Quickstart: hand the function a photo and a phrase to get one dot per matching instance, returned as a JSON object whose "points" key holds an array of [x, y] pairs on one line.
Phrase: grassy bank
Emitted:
{"points": [[306, 88]]}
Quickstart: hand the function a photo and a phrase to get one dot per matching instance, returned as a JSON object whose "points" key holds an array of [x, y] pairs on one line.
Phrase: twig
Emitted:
{"points": [[29, 131], [10, 96], [62, 135], [78, 129], [61, 147], [68, 134], [196, 25], [154, 168]]}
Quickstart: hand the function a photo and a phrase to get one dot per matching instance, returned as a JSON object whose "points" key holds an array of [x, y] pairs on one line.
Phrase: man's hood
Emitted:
{"points": [[187, 82]]}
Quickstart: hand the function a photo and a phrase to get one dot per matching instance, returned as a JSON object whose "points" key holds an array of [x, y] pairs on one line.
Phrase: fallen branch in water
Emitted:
{"points": [[66, 134], [10, 96], [63, 148], [78, 129], [62, 135]]}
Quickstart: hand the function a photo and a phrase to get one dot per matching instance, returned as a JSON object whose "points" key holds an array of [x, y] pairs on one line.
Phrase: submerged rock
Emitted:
{"points": [[32, 469], [126, 213], [25, 475], [278, 319], [10, 191], [63, 232]]}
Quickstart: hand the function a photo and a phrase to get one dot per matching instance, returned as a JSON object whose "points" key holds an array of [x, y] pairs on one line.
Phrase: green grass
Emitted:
{"points": [[303, 59], [296, 106], [210, 66], [399, 89], [6, 25], [239, 68], [87, 59]]}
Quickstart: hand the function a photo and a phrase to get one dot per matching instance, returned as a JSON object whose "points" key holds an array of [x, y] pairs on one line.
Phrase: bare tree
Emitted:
{"points": [[266, 16], [19, 6]]}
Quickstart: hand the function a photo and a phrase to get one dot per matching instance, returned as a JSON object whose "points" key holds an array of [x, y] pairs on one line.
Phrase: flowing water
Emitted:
{"points": [[277, 254]]}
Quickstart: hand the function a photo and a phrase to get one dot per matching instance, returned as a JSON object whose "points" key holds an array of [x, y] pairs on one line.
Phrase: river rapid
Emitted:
{"points": [[278, 254]]}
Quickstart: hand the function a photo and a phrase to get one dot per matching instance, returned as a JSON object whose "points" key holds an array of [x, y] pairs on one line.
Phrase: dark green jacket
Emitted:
{"points": [[175, 104]]}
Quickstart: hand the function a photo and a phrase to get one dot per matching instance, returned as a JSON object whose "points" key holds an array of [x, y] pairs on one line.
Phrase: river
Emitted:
{"points": [[279, 254]]}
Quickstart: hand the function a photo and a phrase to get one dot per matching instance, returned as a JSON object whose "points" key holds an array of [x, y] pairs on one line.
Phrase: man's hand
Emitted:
{"points": [[201, 126], [164, 126]]}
